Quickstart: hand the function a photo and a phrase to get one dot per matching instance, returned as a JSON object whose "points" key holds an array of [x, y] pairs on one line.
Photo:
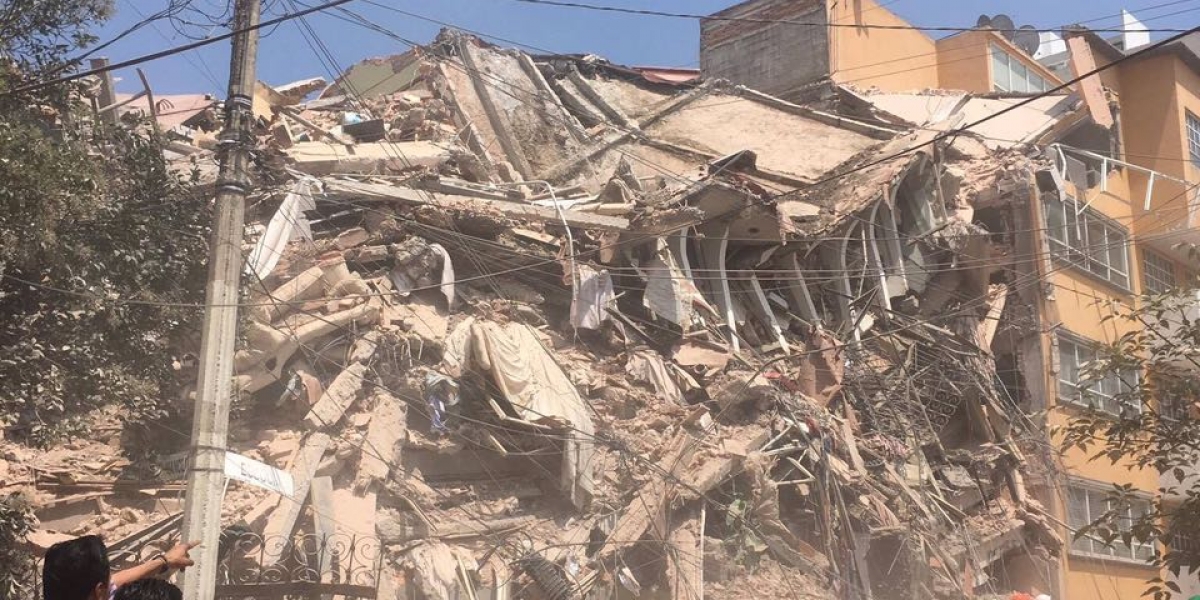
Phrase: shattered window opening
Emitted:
{"points": [[1074, 387], [1085, 505], [1158, 273], [1087, 240]]}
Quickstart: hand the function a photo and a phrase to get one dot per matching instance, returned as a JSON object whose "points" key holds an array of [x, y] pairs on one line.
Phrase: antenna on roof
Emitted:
{"points": [[1003, 23], [1027, 39]]}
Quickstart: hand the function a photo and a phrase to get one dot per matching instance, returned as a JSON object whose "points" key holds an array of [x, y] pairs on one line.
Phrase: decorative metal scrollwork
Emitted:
{"points": [[344, 564]]}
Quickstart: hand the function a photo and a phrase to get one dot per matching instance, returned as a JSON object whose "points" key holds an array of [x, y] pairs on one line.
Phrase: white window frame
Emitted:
{"points": [[1087, 240], [1095, 503], [1074, 353], [1005, 68], [1158, 273], [1192, 129]]}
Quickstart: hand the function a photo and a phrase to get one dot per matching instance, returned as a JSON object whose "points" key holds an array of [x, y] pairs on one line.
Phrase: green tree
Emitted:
{"points": [[101, 246], [102, 251], [1158, 428], [16, 565], [39, 35]]}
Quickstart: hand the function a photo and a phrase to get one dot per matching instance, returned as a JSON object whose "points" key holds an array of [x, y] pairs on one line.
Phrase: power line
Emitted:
{"points": [[202, 67], [768, 274], [1004, 111], [984, 43], [718, 17], [932, 141], [170, 51]]}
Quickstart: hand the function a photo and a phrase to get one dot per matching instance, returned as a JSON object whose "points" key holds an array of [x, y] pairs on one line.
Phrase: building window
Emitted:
{"points": [[1158, 273], [1009, 74], [1087, 240], [1085, 505], [1103, 394], [1193, 137]]}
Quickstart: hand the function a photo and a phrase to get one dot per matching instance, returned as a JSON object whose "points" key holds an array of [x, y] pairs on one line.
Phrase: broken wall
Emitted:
{"points": [[778, 58]]}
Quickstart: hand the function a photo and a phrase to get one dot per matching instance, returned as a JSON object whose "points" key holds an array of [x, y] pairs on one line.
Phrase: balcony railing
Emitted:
{"points": [[1060, 152]]}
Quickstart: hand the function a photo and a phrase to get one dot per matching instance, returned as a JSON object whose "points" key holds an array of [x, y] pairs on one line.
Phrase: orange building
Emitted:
{"points": [[1125, 149], [844, 46]]}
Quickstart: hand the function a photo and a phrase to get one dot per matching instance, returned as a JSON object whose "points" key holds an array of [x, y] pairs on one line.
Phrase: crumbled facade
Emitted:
{"points": [[548, 327]]}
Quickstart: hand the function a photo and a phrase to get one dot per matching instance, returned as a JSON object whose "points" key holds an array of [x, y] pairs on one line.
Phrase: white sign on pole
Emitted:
{"points": [[259, 474]]}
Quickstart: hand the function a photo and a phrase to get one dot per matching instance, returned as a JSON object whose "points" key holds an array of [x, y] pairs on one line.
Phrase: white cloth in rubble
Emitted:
{"points": [[528, 377], [592, 297], [289, 223], [447, 274]]}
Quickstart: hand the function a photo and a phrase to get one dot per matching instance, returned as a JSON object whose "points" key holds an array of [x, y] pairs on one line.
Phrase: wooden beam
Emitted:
{"points": [[386, 429], [283, 519], [650, 503], [108, 96], [521, 212], [338, 397], [685, 571], [322, 501]]}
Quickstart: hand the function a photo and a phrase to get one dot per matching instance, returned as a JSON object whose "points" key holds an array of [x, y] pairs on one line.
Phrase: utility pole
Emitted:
{"points": [[210, 425]]}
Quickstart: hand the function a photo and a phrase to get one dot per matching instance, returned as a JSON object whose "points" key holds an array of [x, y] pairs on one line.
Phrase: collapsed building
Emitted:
{"points": [[549, 327]]}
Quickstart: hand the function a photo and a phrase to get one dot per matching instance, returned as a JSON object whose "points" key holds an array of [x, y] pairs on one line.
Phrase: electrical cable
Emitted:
{"points": [[202, 67], [950, 133], [169, 51], [720, 17]]}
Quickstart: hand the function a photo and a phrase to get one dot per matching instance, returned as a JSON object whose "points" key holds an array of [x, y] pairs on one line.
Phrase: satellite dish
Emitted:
{"points": [[1003, 23], [983, 21], [1027, 39]]}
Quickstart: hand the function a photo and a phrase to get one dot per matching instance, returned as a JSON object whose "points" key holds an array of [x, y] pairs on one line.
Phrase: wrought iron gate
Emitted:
{"points": [[299, 567]]}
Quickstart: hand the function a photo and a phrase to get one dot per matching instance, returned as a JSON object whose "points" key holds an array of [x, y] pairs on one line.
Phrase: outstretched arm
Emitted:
{"points": [[175, 558]]}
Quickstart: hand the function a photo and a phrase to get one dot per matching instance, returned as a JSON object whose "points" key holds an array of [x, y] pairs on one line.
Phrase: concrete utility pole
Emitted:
{"points": [[210, 425]]}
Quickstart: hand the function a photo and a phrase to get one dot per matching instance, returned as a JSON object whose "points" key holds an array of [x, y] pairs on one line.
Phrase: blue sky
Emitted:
{"points": [[285, 55]]}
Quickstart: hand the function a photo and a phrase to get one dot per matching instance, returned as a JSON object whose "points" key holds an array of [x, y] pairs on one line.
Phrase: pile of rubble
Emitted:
{"points": [[551, 327]]}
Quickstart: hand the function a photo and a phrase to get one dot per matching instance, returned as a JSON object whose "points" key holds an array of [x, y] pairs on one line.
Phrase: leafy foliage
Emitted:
{"points": [[38, 34], [99, 242], [121, 242], [99, 246], [16, 518], [1162, 436]]}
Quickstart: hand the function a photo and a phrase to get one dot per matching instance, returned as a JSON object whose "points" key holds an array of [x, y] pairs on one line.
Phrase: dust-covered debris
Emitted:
{"points": [[525, 354]]}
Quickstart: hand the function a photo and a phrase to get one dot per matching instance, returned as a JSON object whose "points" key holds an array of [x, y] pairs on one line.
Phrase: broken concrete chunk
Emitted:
{"points": [[337, 398], [351, 238], [282, 519], [690, 353], [737, 388], [299, 90], [366, 131], [380, 447], [322, 158]]}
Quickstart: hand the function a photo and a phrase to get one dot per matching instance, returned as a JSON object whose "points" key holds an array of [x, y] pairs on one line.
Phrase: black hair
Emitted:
{"points": [[74, 568], [149, 589]]}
